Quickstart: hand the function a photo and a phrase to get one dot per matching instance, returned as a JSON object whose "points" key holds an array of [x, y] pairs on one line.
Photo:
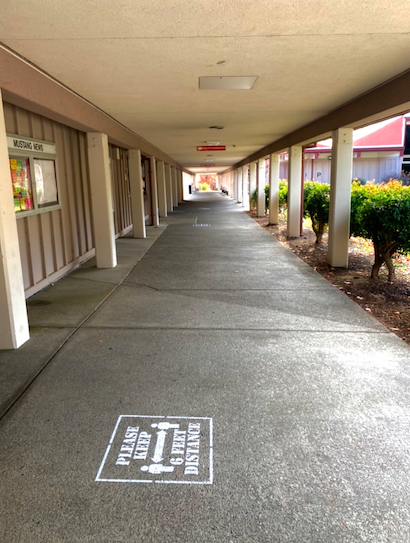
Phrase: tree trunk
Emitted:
{"points": [[378, 261], [390, 266], [379, 258], [319, 234], [318, 229]]}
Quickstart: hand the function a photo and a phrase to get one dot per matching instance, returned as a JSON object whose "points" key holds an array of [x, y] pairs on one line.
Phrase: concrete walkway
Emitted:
{"points": [[215, 389]]}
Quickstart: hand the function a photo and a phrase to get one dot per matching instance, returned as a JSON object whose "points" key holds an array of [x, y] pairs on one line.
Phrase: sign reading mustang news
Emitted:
{"points": [[151, 449]]}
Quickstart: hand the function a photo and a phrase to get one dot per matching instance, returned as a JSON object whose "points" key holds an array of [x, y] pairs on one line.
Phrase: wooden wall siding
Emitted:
{"points": [[120, 189], [364, 168], [53, 242], [376, 168]]}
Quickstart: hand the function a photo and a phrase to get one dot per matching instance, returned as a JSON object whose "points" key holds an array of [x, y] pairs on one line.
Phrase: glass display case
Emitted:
{"points": [[33, 169]]}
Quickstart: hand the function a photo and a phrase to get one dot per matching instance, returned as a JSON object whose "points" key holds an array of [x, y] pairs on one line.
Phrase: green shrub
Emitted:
{"points": [[382, 213], [254, 198], [204, 186], [316, 206], [283, 193]]}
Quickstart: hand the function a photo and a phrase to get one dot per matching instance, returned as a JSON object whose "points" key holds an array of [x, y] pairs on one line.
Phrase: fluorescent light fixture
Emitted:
{"points": [[212, 142], [227, 83]]}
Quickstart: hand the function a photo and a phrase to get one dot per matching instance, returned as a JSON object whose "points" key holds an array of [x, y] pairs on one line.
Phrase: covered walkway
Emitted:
{"points": [[258, 402]]}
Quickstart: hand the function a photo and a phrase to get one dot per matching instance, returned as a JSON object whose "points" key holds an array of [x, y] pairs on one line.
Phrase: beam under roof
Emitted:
{"points": [[27, 86], [387, 100]]}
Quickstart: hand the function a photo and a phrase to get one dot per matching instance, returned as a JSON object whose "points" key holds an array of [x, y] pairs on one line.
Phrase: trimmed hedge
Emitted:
{"points": [[316, 206], [379, 212], [382, 213]]}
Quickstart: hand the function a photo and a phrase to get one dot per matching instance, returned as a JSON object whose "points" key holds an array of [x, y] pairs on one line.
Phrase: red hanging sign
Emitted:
{"points": [[211, 148]]}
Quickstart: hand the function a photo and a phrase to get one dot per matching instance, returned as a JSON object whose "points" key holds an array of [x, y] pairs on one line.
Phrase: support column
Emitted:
{"points": [[154, 191], [340, 197], [234, 185], [14, 330], [174, 187], [252, 179], [294, 191], [261, 187], [137, 193], [162, 190], [180, 187], [245, 184], [168, 183], [240, 190], [274, 189], [101, 200]]}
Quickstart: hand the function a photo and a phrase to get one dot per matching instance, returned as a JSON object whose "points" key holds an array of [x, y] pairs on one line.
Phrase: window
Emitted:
{"points": [[46, 182]]}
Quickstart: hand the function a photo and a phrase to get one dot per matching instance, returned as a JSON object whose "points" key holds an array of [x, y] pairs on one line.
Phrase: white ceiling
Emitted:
{"points": [[140, 60]]}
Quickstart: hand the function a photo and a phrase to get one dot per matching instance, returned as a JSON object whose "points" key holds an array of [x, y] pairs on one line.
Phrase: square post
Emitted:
{"points": [[180, 187], [274, 189], [174, 187], [137, 194], [235, 185], [340, 197], [245, 184], [294, 191], [14, 330], [162, 190], [240, 190], [261, 187], [168, 183], [101, 200], [252, 180], [154, 191]]}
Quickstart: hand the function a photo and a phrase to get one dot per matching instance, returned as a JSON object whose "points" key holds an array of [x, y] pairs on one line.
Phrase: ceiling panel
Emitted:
{"points": [[140, 62]]}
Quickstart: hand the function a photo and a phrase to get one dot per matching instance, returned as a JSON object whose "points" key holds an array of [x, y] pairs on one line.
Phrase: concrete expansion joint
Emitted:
{"points": [[92, 280], [142, 285], [235, 330]]}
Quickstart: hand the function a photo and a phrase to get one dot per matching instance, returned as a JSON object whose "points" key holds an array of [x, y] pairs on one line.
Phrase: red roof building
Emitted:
{"points": [[380, 151]]}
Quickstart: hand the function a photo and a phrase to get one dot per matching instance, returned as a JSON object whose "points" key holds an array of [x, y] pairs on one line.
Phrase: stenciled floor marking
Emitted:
{"points": [[159, 449]]}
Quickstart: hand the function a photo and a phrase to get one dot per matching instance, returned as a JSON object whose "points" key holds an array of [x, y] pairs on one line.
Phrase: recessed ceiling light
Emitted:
{"points": [[227, 83]]}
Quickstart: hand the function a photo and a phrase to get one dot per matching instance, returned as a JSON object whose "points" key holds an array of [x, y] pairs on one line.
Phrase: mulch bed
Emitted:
{"points": [[387, 302]]}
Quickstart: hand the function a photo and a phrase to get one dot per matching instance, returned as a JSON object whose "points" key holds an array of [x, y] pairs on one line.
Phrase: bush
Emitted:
{"points": [[402, 176], [382, 213], [316, 206], [359, 180], [283, 193], [254, 198], [204, 186]]}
